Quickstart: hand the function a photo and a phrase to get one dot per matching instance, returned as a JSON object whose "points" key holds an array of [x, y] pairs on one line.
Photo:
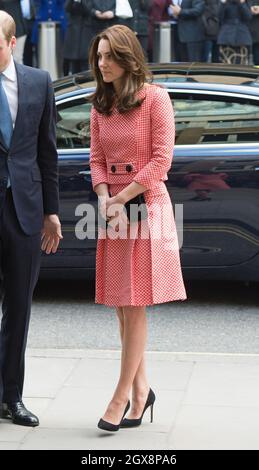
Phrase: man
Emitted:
{"points": [[28, 207], [190, 31]]}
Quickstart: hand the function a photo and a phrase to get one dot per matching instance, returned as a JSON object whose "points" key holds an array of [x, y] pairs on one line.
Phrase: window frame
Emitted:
{"points": [[211, 93], [172, 92], [60, 102]]}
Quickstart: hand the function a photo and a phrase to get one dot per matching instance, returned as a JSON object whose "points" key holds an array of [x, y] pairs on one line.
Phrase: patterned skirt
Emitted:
{"points": [[143, 269]]}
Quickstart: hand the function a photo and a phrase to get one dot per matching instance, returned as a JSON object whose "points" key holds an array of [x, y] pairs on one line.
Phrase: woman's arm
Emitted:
{"points": [[97, 159], [163, 135]]}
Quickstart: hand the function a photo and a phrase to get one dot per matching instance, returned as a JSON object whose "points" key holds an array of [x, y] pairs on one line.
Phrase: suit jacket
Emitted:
{"points": [[102, 5], [234, 24], [254, 25], [190, 25], [78, 34], [32, 157]]}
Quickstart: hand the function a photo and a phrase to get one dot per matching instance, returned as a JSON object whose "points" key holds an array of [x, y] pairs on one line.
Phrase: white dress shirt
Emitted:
{"points": [[26, 10], [10, 85]]}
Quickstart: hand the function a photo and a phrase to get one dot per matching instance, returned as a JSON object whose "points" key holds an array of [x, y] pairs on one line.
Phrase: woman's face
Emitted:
{"points": [[110, 70]]}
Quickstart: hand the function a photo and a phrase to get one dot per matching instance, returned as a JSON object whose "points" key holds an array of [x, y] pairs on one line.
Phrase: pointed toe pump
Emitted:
{"points": [[132, 423], [106, 426]]}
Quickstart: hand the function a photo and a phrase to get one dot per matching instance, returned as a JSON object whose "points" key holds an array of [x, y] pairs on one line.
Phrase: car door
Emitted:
{"points": [[77, 199], [215, 176]]}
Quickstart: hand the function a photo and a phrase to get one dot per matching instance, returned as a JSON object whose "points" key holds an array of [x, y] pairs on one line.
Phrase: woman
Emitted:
{"points": [[140, 10], [77, 35], [132, 138], [210, 20], [254, 26], [234, 36]]}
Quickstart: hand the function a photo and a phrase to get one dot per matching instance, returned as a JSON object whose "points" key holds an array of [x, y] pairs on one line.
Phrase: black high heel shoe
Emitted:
{"points": [[106, 426], [132, 423]]}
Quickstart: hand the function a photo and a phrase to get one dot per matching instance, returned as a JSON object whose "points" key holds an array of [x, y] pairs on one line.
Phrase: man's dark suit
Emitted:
{"points": [[31, 163], [189, 34], [190, 26]]}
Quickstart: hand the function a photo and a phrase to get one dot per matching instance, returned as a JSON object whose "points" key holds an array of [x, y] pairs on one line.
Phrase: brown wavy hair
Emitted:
{"points": [[127, 52]]}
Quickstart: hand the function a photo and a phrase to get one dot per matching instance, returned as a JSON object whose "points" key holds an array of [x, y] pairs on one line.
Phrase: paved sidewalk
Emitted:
{"points": [[204, 401]]}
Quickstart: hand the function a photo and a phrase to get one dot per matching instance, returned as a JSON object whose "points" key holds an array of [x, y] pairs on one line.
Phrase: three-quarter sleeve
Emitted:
{"points": [[97, 157], [163, 135]]}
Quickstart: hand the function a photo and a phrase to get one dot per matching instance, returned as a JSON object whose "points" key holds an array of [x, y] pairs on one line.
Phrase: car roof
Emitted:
{"points": [[176, 73]]}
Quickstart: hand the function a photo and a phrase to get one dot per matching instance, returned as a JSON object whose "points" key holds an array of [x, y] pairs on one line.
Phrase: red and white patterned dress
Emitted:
{"points": [[138, 271]]}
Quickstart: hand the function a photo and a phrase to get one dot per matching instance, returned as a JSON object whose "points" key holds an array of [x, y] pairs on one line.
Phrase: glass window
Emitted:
{"points": [[73, 124], [204, 119]]}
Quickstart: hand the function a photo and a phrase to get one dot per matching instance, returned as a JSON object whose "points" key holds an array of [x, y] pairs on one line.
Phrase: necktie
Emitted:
{"points": [[6, 123]]}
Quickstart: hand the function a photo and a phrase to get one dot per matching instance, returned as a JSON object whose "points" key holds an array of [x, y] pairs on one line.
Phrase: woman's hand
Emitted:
{"points": [[102, 201], [116, 214], [114, 207]]}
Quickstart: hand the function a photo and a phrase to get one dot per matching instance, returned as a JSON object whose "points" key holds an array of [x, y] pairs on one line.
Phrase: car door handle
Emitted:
{"points": [[84, 172]]}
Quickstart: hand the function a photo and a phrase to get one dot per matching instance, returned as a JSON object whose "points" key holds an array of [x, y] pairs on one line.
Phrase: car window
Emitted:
{"points": [[215, 120], [73, 124]]}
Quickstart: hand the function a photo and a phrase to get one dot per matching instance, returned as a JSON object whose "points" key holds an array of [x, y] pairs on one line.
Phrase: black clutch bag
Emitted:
{"points": [[134, 213]]}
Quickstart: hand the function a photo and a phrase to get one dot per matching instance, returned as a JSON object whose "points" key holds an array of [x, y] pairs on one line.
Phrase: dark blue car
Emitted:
{"points": [[214, 176]]}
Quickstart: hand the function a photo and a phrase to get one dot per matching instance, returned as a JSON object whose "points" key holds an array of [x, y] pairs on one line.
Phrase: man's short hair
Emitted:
{"points": [[7, 25]]}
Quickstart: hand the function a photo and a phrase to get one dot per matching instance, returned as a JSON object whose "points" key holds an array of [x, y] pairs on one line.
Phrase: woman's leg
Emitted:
{"points": [[140, 386], [133, 327], [120, 315], [140, 390]]}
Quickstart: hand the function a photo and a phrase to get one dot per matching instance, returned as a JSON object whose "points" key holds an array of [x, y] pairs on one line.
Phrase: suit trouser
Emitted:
{"points": [[191, 51], [19, 263]]}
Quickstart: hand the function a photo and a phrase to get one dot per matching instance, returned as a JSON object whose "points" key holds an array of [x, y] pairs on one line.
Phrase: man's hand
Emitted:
{"points": [[108, 15], [175, 10], [255, 10], [98, 14], [51, 234], [104, 15]]}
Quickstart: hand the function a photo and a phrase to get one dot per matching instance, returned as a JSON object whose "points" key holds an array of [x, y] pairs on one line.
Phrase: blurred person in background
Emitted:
{"points": [[210, 19], [175, 44], [78, 34], [50, 10], [190, 30], [102, 15], [234, 36], [139, 22], [29, 52], [254, 27], [157, 12]]}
